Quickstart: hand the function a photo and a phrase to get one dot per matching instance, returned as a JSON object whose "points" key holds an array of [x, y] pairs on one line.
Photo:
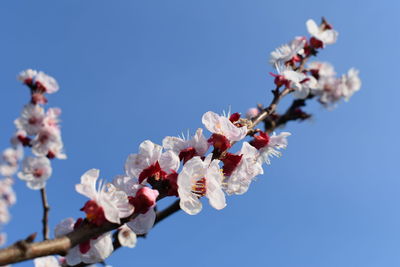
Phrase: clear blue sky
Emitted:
{"points": [[136, 70]]}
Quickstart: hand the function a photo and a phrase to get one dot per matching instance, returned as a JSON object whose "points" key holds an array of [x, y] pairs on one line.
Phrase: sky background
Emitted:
{"points": [[136, 70]]}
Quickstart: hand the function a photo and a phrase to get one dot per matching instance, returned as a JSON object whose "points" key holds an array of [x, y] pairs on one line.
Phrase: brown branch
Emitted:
{"points": [[293, 113], [46, 209], [271, 108]]}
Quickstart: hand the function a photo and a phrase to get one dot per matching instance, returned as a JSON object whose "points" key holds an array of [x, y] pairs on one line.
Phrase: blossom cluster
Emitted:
{"points": [[35, 128], [186, 167], [39, 129], [190, 168], [196, 167], [318, 78]]}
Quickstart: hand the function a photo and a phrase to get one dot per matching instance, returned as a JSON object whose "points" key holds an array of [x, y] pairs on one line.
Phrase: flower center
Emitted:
{"points": [[199, 188], [38, 172], [94, 212]]}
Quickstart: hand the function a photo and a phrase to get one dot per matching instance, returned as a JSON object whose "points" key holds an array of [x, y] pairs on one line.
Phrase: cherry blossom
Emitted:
{"points": [[35, 171], [288, 53], [150, 162], [222, 125], [187, 148], [200, 178], [299, 82], [31, 120], [6, 191], [249, 167], [39, 81], [323, 33], [142, 198], [9, 162], [321, 70], [268, 146], [106, 202], [350, 83], [93, 251], [48, 143]]}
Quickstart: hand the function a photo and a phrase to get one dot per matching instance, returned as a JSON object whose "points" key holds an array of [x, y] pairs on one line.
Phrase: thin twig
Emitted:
{"points": [[46, 209]]}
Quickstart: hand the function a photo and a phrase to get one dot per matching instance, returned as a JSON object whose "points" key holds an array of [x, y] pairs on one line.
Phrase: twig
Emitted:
{"points": [[46, 209]]}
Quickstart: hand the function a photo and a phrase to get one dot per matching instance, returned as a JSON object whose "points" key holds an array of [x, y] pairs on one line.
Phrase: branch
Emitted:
{"points": [[46, 209], [293, 113]]}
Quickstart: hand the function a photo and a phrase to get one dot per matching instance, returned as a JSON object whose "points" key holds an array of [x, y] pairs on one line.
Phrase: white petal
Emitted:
{"points": [[312, 27], [143, 222], [190, 204], [64, 227], [214, 191], [175, 144], [87, 187], [126, 237], [169, 161]]}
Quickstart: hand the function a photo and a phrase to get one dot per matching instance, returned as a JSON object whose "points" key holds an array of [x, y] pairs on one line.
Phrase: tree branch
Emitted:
{"points": [[46, 209]]}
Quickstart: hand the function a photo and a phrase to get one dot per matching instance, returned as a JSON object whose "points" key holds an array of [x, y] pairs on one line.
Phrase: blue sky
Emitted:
{"points": [[136, 70]]}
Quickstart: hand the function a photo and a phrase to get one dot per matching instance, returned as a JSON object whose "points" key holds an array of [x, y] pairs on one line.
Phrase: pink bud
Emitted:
{"points": [[144, 200], [252, 112]]}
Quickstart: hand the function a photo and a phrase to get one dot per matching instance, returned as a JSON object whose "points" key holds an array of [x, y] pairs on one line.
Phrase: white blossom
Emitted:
{"points": [[276, 142], [35, 171], [114, 203], [200, 178], [6, 191], [150, 155], [48, 142], [143, 221], [248, 168], [31, 120], [39, 79], [287, 52], [198, 143], [299, 82], [222, 125], [351, 83], [9, 161], [324, 69], [326, 36]]}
